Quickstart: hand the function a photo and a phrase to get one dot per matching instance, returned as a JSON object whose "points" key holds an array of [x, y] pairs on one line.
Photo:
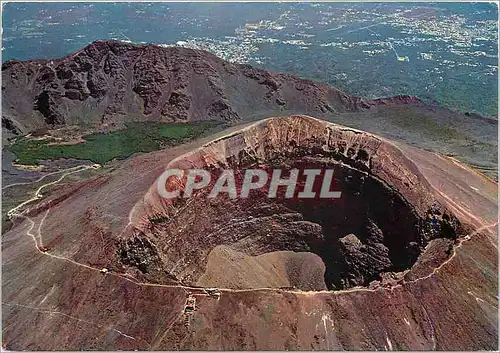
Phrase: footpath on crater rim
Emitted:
{"points": [[406, 260]]}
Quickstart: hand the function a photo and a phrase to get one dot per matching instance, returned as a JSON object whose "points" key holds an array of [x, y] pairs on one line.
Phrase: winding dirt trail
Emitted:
{"points": [[41, 178], [14, 212], [34, 231]]}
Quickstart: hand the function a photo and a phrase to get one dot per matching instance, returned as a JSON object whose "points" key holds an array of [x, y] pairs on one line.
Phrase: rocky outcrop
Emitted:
{"points": [[108, 80], [382, 223], [266, 298], [401, 99]]}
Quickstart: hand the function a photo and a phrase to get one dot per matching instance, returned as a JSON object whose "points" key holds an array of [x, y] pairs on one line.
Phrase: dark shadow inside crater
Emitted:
{"points": [[370, 233], [371, 230]]}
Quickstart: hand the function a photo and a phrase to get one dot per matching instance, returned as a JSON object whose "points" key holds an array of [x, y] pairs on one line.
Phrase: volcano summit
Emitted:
{"points": [[405, 259]]}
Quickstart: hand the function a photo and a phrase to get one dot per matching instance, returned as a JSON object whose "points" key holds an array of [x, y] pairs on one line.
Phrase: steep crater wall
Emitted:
{"points": [[384, 221]]}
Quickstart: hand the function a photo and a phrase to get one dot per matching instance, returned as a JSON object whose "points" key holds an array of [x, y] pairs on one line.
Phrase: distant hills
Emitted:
{"points": [[109, 82]]}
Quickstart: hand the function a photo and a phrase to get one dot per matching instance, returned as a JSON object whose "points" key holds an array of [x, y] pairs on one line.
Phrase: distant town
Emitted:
{"points": [[373, 50]]}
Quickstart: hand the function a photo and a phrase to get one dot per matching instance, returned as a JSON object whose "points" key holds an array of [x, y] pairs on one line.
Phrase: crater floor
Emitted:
{"points": [[372, 235], [407, 258]]}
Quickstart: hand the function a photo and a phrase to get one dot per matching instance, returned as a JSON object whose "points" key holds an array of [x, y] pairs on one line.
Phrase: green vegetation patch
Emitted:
{"points": [[103, 147], [419, 122]]}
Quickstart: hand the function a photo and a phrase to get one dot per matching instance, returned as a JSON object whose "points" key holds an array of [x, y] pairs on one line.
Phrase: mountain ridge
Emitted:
{"points": [[108, 82]]}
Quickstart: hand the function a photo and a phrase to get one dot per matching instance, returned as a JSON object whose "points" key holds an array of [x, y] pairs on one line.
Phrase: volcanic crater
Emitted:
{"points": [[406, 256], [387, 226]]}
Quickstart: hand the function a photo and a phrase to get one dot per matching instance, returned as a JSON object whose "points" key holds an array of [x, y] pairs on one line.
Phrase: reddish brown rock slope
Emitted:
{"points": [[109, 82], [445, 299]]}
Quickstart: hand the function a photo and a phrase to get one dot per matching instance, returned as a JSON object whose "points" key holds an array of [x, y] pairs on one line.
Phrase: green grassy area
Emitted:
{"points": [[415, 122], [103, 147]]}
